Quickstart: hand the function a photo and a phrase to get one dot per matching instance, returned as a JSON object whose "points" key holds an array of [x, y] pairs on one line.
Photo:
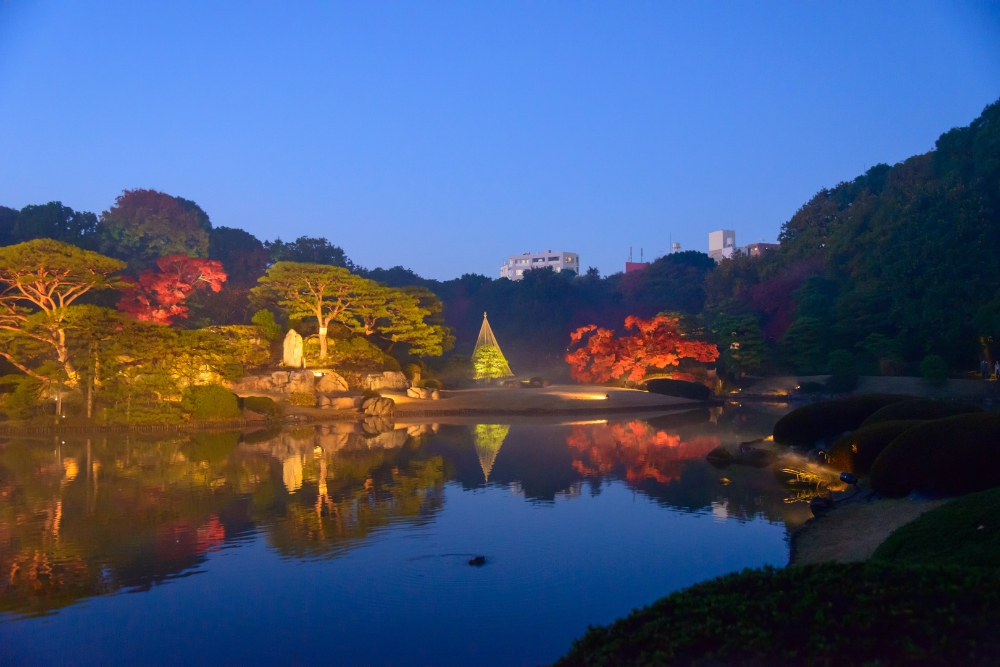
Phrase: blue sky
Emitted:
{"points": [[445, 136]]}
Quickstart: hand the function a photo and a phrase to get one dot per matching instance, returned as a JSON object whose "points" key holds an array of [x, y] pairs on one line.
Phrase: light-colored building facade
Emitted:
{"points": [[721, 244], [515, 265]]}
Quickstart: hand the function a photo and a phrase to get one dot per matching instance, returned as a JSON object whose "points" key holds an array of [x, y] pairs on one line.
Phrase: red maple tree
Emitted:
{"points": [[159, 296], [656, 343]]}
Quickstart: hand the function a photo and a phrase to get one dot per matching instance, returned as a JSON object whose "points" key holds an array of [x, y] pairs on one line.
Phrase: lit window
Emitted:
{"points": [[569, 259], [520, 271]]}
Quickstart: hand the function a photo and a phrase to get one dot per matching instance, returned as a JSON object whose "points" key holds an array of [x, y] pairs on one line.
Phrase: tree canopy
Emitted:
{"points": [[145, 225], [39, 282]]}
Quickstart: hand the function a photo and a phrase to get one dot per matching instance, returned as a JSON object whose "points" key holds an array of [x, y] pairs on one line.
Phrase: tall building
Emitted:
{"points": [[721, 244], [515, 265]]}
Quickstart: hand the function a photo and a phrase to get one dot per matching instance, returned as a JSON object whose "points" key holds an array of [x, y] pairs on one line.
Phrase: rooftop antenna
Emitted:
{"points": [[640, 254], [630, 253]]}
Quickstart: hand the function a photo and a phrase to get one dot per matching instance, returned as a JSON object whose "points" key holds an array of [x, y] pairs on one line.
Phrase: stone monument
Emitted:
{"points": [[292, 357]]}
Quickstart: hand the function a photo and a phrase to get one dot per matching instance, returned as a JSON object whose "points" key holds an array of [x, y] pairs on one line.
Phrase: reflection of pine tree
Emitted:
{"points": [[489, 438], [488, 361]]}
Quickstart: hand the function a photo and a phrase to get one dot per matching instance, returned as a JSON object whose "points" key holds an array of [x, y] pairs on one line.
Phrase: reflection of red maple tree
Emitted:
{"points": [[644, 452], [159, 296], [656, 343]]}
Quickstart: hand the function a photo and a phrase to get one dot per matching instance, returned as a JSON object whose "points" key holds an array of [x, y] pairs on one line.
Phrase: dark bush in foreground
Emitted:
{"points": [[857, 451], [679, 389], [951, 456], [210, 401], [921, 408], [964, 533], [804, 426], [262, 405], [830, 614], [433, 384]]}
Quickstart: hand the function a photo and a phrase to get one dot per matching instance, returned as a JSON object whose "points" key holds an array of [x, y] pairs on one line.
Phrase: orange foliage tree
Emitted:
{"points": [[656, 343]]}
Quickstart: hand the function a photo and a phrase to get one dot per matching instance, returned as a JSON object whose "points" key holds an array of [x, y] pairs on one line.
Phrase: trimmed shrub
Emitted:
{"points": [[24, 401], [679, 389], [830, 614], [951, 456], [432, 384], [370, 393], [856, 451], [210, 401], [804, 426], [302, 398], [811, 387], [843, 373], [921, 408], [934, 370], [262, 405], [963, 533]]}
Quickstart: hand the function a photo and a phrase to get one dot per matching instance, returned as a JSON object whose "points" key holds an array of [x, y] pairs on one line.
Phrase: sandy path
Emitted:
{"points": [[854, 530], [563, 399]]}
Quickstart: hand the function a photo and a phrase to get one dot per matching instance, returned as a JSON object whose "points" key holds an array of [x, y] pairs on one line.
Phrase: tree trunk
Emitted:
{"points": [[322, 343]]}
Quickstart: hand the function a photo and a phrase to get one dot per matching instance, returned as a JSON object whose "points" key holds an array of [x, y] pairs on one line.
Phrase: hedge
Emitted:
{"points": [[804, 426], [841, 614], [856, 451], [679, 389], [210, 401], [950, 457], [963, 533], [921, 408], [262, 405]]}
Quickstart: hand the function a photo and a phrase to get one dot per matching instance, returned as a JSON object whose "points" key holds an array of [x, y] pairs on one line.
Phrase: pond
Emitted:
{"points": [[320, 545]]}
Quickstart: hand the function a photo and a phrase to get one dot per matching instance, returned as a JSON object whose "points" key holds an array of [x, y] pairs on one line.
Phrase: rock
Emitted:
{"points": [[342, 403], [324, 402], [292, 350], [300, 381], [279, 379], [331, 382], [478, 561], [386, 380], [720, 457], [435, 395], [412, 392], [380, 407]]}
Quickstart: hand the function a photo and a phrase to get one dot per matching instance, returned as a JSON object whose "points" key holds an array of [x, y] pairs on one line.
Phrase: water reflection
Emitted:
{"points": [[88, 517]]}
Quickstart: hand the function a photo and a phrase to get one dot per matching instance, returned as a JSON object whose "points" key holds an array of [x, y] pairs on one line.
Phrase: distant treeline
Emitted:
{"points": [[902, 262]]}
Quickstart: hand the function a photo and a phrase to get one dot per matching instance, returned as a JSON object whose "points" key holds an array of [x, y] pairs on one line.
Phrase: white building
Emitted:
{"points": [[721, 244], [515, 265]]}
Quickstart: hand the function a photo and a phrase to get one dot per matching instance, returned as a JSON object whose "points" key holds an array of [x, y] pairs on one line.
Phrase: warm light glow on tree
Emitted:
{"points": [[159, 296], [39, 282], [656, 343]]}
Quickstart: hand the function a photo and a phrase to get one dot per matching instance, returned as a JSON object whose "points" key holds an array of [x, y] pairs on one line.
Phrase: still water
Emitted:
{"points": [[319, 545]]}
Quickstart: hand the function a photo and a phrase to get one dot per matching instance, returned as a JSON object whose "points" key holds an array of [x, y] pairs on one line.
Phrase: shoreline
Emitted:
{"points": [[853, 531]]}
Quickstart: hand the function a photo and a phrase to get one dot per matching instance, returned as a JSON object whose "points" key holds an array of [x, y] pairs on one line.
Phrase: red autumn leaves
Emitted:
{"points": [[656, 343], [159, 296]]}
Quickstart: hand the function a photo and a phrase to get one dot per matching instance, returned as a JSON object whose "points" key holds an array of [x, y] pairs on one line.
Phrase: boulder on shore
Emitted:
{"points": [[386, 380], [331, 382]]}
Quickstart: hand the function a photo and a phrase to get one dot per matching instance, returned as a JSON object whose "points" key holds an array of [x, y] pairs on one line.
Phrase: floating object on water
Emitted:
{"points": [[478, 560], [723, 481]]}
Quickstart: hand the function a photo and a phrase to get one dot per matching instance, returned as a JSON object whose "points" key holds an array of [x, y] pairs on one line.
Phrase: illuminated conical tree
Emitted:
{"points": [[489, 438], [487, 360]]}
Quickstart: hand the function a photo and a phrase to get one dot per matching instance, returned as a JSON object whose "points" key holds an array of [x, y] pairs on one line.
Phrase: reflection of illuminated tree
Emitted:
{"points": [[635, 448], [93, 518], [489, 438]]}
